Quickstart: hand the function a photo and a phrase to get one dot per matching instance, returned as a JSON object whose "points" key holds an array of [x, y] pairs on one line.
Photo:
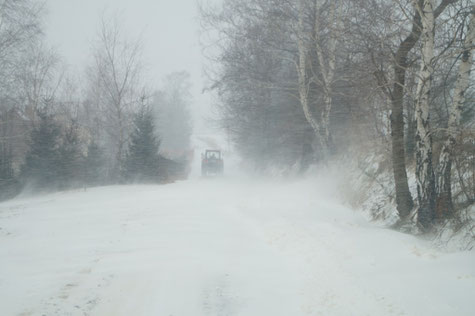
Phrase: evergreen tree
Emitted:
{"points": [[94, 165], [142, 158], [8, 183], [41, 163], [69, 163]]}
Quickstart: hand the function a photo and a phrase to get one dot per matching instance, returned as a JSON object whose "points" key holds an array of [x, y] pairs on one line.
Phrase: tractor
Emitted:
{"points": [[212, 163]]}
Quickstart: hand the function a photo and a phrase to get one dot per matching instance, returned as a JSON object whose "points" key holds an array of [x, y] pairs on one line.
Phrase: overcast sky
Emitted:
{"points": [[169, 30]]}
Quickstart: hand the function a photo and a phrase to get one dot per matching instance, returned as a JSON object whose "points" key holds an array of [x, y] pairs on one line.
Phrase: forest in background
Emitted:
{"points": [[303, 82], [62, 130]]}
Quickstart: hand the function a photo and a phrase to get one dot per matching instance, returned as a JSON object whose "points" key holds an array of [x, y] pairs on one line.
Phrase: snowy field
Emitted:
{"points": [[218, 247]]}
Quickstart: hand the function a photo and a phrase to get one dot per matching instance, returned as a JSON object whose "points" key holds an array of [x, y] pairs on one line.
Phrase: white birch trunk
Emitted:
{"points": [[424, 167], [444, 191], [303, 84], [327, 67]]}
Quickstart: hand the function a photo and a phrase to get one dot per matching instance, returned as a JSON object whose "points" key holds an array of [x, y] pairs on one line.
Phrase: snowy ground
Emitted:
{"points": [[218, 247]]}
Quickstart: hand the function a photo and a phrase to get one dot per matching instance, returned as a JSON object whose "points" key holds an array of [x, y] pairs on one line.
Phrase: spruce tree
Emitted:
{"points": [[142, 158], [69, 159], [8, 183], [41, 163], [94, 165]]}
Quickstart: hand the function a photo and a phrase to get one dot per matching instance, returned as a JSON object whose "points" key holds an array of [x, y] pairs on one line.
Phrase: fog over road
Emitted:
{"points": [[227, 246]]}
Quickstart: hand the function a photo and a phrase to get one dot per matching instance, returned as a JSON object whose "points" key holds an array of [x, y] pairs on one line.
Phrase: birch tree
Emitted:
{"points": [[424, 165], [324, 74], [401, 63], [114, 85], [327, 60], [38, 78], [303, 80], [444, 171]]}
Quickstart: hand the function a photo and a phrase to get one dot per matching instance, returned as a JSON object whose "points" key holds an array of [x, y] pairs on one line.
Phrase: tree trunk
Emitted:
{"points": [[326, 133], [444, 205], [424, 166], [327, 66], [404, 201], [410, 134], [303, 84]]}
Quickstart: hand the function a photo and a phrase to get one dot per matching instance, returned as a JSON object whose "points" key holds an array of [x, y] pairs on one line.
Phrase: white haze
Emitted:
{"points": [[169, 31]]}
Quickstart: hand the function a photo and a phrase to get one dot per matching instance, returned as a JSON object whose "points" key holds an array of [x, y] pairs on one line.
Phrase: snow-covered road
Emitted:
{"points": [[218, 247]]}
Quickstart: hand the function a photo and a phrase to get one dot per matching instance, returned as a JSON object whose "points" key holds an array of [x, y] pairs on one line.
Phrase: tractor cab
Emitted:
{"points": [[212, 163]]}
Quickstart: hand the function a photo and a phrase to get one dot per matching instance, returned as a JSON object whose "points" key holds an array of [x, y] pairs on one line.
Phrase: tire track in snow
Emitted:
{"points": [[219, 299], [79, 296]]}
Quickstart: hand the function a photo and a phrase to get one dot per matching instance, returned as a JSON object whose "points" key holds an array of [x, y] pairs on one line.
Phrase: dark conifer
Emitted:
{"points": [[142, 157], [70, 157], [8, 182], [94, 165], [41, 163]]}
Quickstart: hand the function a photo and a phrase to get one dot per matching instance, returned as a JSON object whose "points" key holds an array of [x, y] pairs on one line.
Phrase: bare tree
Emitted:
{"points": [[20, 30], [20, 23], [172, 110], [114, 85], [303, 80], [401, 63], [326, 52], [444, 170], [322, 40], [20, 38], [38, 77], [424, 164]]}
